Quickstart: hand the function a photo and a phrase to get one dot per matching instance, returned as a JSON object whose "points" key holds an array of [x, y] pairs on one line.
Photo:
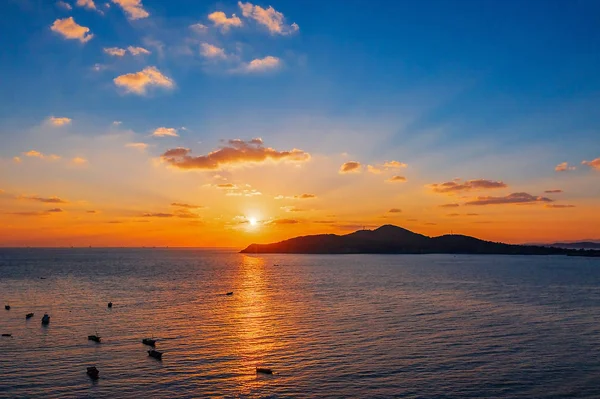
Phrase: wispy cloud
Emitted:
{"points": [[139, 82], [449, 205], [37, 154], [199, 28], [395, 210], [236, 152], [594, 164], [79, 161], [47, 200], [211, 51], [115, 51], [165, 131], [138, 50], [283, 221], [63, 5], [187, 206], [563, 167], [269, 17], [553, 191], [59, 121], [17, 159], [137, 146], [514, 198], [558, 206], [377, 169], [350, 167], [38, 213], [292, 208], [220, 20], [133, 8], [69, 29], [457, 186], [297, 197], [396, 179]]}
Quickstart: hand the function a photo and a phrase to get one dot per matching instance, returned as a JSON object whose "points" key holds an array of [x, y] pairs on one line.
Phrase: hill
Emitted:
{"points": [[391, 239]]}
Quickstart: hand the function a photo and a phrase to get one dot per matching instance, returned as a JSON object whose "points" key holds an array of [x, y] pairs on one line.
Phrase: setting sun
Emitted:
{"points": [[252, 221]]}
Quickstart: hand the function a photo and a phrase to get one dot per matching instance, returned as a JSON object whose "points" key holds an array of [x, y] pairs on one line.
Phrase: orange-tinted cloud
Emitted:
{"points": [[158, 215], [115, 51], [394, 165], [17, 159], [165, 131], [284, 221], [49, 200], [553, 191], [59, 121], [377, 169], [139, 82], [272, 19], [219, 18], [594, 164], [211, 51], [563, 167], [236, 152], [558, 206], [137, 146], [63, 5], [292, 209], [138, 50], [297, 197], [188, 206], [86, 3], [37, 154], [133, 8], [36, 213], [395, 210], [514, 198], [268, 63], [69, 29], [79, 161], [449, 205], [396, 179], [457, 186], [350, 167]]}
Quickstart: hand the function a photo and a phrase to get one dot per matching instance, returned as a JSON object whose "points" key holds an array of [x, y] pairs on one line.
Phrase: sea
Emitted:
{"points": [[329, 326]]}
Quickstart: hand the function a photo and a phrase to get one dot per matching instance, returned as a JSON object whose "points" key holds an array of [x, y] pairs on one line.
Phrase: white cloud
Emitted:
{"points": [[165, 131], [86, 3], [69, 29], [261, 64], [133, 8], [63, 5], [115, 51], [137, 146], [138, 50], [272, 19], [210, 51], [219, 18], [138, 82], [199, 28], [56, 121]]}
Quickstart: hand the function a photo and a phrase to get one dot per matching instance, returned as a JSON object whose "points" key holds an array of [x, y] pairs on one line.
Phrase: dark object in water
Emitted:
{"points": [[110, 304], [46, 319], [94, 338], [264, 370], [93, 372], [229, 293], [155, 354], [7, 335], [149, 342], [42, 278], [28, 315], [7, 307]]}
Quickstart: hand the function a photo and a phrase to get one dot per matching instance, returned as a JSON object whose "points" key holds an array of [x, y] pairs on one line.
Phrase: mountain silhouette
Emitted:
{"points": [[390, 239]]}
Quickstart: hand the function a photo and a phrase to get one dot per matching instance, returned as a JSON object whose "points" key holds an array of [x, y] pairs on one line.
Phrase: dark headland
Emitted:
{"points": [[391, 239]]}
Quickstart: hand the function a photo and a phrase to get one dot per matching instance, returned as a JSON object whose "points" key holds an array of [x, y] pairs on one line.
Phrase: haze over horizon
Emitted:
{"points": [[220, 124]]}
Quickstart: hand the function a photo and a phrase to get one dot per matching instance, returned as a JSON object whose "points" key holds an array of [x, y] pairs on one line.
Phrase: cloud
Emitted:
{"points": [[453, 214], [350, 167], [55, 121], [553, 191], [292, 209], [558, 206], [137, 146], [219, 18], [49, 200], [514, 198], [297, 197], [594, 164], [117, 123], [377, 169], [17, 159], [396, 179], [71, 30], [234, 153], [37, 154], [138, 50], [187, 206], [138, 82], [91, 211], [210, 51], [133, 8], [199, 28], [54, 210], [562, 167], [165, 131], [63, 5], [115, 51], [37, 213], [272, 19], [86, 3], [449, 205], [269, 63], [395, 210], [456, 186], [79, 161], [158, 215], [374, 169], [283, 221], [394, 165]]}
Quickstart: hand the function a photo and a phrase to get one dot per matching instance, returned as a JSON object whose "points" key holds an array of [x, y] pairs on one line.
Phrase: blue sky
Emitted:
{"points": [[471, 89]]}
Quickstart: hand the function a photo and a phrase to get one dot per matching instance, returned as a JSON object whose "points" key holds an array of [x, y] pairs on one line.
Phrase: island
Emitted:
{"points": [[390, 239]]}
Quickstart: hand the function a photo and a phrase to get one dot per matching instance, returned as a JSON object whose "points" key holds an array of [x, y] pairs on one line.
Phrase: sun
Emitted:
{"points": [[252, 221]]}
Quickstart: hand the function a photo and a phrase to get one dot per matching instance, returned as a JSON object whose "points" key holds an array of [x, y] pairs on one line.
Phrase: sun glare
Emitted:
{"points": [[252, 221]]}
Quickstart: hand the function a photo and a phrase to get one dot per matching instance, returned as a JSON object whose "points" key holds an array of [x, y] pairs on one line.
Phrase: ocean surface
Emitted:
{"points": [[368, 326]]}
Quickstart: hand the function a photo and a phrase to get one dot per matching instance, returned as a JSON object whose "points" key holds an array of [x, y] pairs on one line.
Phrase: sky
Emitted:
{"points": [[220, 124]]}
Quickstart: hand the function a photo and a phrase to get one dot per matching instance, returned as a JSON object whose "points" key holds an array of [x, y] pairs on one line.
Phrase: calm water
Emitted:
{"points": [[429, 326]]}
